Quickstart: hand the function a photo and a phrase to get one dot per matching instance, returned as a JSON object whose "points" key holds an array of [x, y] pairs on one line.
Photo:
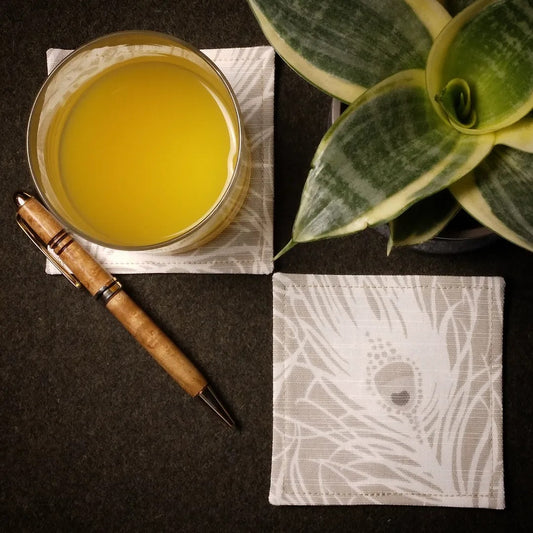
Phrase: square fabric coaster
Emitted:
{"points": [[246, 246], [387, 390]]}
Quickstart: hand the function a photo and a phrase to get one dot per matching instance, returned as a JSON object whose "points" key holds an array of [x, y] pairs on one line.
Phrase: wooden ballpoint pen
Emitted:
{"points": [[83, 270]]}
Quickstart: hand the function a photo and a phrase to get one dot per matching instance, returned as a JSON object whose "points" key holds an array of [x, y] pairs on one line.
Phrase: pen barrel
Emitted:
{"points": [[156, 343], [93, 277]]}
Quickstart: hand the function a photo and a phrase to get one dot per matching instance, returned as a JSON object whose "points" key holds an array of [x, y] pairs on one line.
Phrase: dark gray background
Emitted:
{"points": [[93, 434]]}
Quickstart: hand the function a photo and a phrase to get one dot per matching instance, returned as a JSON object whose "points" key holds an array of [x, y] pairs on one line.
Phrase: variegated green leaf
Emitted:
{"points": [[519, 135], [499, 193], [388, 150], [480, 68], [344, 46], [423, 220]]}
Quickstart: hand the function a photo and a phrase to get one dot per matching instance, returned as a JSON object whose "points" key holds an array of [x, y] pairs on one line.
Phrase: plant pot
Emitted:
{"points": [[463, 234]]}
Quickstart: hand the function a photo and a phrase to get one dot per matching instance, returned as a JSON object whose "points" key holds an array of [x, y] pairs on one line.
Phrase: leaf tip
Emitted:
{"points": [[390, 246], [285, 249]]}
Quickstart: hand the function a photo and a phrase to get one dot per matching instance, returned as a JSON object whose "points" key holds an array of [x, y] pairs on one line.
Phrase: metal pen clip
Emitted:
{"points": [[48, 254]]}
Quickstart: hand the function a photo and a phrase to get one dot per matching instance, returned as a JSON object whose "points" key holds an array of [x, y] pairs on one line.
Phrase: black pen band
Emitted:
{"points": [[105, 293]]}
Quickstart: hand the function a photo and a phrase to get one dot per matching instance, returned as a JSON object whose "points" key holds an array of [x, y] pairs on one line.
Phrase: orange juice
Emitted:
{"points": [[144, 151], [136, 141]]}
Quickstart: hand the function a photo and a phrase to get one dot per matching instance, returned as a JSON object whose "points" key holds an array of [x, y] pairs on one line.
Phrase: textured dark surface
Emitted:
{"points": [[93, 434]]}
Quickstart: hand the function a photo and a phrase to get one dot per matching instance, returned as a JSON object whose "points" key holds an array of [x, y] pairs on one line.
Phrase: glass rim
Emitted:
{"points": [[33, 125]]}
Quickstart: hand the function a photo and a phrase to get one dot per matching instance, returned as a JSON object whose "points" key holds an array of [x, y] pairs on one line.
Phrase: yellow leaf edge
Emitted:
{"points": [[437, 57], [339, 88], [472, 201]]}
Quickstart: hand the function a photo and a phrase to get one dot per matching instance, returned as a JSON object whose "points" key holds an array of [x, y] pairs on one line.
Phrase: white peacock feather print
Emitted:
{"points": [[387, 390], [246, 246]]}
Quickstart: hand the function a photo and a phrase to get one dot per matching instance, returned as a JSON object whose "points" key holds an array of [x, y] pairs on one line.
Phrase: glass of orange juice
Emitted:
{"points": [[136, 142]]}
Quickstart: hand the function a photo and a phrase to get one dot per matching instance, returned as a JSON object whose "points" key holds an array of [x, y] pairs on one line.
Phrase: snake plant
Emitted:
{"points": [[437, 104]]}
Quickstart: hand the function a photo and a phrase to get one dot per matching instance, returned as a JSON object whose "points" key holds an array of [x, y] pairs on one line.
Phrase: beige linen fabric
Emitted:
{"points": [[387, 390]]}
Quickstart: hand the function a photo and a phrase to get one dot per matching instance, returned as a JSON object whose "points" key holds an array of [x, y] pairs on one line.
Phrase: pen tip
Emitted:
{"points": [[210, 398]]}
